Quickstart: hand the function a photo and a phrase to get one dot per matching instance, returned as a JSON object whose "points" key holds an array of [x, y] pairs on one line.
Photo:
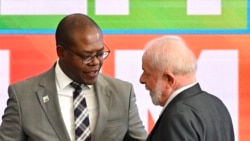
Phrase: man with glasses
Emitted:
{"points": [[42, 108]]}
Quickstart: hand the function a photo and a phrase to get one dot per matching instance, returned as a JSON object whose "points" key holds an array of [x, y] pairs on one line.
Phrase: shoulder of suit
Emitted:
{"points": [[36, 78]]}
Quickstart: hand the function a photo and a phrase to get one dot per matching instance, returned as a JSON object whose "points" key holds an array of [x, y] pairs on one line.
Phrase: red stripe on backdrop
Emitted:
{"points": [[29, 54], [32, 54]]}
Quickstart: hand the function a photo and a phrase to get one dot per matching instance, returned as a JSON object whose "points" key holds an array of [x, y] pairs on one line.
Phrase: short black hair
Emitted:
{"points": [[70, 24]]}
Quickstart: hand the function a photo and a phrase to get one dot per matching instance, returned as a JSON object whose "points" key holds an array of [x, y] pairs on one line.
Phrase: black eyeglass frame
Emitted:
{"points": [[88, 59]]}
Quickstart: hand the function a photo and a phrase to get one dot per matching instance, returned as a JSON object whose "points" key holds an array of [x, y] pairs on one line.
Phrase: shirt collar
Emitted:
{"points": [[62, 79], [175, 93]]}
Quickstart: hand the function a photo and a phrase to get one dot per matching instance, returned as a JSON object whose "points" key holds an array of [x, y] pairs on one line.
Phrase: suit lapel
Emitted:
{"points": [[49, 101], [104, 98]]}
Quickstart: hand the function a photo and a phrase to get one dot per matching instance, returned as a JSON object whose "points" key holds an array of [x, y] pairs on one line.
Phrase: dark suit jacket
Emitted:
{"points": [[194, 115], [28, 118]]}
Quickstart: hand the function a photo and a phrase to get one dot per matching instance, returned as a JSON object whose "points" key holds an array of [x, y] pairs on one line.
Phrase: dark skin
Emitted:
{"points": [[88, 41]]}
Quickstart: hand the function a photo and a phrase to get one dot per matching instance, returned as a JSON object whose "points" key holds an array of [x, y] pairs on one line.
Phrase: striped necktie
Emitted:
{"points": [[82, 128]]}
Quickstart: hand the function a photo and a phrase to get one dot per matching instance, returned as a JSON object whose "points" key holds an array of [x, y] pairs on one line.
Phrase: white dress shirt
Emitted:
{"points": [[65, 94]]}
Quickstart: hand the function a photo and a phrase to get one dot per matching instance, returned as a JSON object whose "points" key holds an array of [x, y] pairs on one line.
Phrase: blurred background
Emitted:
{"points": [[216, 30]]}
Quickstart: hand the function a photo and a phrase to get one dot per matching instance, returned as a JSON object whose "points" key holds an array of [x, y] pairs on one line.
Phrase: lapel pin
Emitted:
{"points": [[46, 99]]}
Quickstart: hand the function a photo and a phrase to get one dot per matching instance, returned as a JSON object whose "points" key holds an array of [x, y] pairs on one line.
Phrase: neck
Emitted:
{"points": [[184, 80]]}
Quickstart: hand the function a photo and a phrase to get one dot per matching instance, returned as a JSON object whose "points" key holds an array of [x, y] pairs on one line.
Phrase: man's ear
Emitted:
{"points": [[169, 78], [60, 51]]}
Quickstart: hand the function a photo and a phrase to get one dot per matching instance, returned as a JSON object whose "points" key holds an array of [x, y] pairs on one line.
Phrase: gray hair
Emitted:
{"points": [[170, 53]]}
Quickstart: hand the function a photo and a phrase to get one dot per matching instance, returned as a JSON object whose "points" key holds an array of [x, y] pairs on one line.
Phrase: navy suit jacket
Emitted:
{"points": [[194, 115]]}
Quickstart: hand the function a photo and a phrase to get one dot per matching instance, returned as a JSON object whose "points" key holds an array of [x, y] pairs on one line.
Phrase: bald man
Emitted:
{"points": [[188, 113], [41, 108]]}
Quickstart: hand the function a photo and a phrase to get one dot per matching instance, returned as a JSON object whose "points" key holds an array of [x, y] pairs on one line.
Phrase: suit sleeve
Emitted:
{"points": [[11, 128], [136, 130]]}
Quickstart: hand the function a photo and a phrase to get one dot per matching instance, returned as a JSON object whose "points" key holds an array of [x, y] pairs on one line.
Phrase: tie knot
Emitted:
{"points": [[76, 85]]}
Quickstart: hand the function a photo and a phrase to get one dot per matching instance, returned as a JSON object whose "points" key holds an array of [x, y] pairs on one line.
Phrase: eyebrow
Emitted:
{"points": [[90, 52]]}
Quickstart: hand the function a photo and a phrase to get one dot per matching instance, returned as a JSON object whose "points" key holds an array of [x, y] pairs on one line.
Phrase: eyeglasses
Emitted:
{"points": [[102, 55]]}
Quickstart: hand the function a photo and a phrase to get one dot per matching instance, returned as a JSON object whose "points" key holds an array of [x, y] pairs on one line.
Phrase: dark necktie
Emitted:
{"points": [[82, 129]]}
